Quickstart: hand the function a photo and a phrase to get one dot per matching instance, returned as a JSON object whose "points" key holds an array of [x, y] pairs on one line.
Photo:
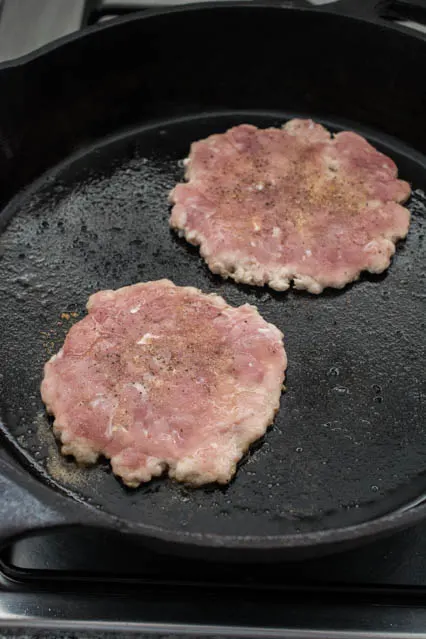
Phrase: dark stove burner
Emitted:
{"points": [[90, 580], [396, 561], [86, 580]]}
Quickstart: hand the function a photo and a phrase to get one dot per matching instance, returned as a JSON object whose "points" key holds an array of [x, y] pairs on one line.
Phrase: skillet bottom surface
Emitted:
{"points": [[349, 441]]}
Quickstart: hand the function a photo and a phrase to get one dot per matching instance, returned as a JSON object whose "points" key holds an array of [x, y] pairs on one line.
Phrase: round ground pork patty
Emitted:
{"points": [[296, 204], [160, 378]]}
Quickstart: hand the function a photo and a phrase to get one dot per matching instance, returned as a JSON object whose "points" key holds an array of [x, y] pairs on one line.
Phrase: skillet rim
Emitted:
{"points": [[71, 511], [145, 14]]}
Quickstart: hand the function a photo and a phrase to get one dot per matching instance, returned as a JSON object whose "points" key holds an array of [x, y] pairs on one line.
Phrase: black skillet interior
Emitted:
{"points": [[348, 443]]}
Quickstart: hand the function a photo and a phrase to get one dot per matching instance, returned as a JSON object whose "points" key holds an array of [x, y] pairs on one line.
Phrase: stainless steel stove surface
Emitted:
{"points": [[84, 583]]}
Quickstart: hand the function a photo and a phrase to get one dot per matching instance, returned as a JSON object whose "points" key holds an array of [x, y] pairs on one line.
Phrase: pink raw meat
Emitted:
{"points": [[272, 206], [164, 378]]}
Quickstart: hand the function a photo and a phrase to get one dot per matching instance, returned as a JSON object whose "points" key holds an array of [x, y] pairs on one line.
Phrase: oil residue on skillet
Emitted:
{"points": [[350, 428]]}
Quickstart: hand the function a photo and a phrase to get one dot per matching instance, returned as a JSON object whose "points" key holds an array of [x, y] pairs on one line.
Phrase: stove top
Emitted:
{"points": [[26, 25], [88, 580], [399, 561]]}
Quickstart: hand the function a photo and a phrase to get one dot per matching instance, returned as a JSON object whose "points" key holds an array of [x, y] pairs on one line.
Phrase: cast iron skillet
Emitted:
{"points": [[113, 110]]}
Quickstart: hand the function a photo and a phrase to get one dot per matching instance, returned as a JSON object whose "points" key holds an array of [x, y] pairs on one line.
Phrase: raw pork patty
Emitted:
{"points": [[271, 206], [159, 377]]}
